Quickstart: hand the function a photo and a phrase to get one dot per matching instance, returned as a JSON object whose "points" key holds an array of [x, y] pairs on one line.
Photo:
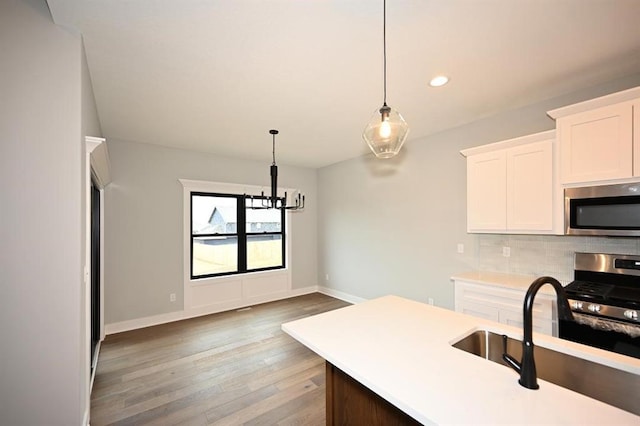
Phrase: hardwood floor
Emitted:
{"points": [[230, 368]]}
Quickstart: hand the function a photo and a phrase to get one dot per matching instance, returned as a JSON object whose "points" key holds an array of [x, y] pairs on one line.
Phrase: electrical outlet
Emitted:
{"points": [[326, 277], [460, 248], [172, 297], [506, 251], [430, 300]]}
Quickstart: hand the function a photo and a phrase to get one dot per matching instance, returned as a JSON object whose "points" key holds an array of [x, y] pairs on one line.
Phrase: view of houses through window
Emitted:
{"points": [[228, 237]]}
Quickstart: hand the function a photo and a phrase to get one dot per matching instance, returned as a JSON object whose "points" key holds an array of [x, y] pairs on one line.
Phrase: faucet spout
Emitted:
{"points": [[527, 366]]}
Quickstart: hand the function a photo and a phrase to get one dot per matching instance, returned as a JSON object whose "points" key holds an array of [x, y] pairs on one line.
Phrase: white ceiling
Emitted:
{"points": [[216, 75]]}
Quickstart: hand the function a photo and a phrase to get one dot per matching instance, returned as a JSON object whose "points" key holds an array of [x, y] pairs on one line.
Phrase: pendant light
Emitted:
{"points": [[387, 130], [273, 201]]}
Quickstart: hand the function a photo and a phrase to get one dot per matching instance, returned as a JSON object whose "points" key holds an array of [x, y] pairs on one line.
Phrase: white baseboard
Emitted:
{"points": [[341, 295], [134, 324], [119, 327], [94, 365], [302, 291]]}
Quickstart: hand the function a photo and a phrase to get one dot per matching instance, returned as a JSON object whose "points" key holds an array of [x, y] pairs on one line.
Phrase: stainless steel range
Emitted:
{"points": [[605, 300]]}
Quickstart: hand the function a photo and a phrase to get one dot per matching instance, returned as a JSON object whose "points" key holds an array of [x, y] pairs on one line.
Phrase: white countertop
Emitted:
{"points": [[498, 279], [401, 350]]}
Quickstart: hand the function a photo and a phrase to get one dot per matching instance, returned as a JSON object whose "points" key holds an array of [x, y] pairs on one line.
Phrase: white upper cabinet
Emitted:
{"points": [[530, 187], [596, 145], [596, 139], [487, 191], [510, 186]]}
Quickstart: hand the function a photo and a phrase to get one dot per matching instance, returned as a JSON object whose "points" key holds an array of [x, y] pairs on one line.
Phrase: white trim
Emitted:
{"points": [[216, 294], [96, 167], [99, 159], [510, 143], [102, 265], [305, 290], [222, 187], [94, 366], [614, 98], [135, 324], [85, 340], [341, 295], [235, 188]]}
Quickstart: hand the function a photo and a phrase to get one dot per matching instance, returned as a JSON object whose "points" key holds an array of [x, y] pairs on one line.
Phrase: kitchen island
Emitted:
{"points": [[402, 351]]}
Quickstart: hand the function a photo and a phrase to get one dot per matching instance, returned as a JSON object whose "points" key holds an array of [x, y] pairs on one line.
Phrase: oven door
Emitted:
{"points": [[609, 335]]}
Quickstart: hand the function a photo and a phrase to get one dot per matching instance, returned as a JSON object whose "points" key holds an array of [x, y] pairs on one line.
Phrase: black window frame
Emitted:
{"points": [[243, 202]]}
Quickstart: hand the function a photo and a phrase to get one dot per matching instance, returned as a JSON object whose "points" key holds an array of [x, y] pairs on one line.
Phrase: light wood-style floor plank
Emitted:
{"points": [[231, 368]]}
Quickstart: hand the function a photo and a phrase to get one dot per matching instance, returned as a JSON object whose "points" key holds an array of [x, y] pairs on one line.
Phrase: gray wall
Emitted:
{"points": [[392, 227], [45, 107], [143, 223]]}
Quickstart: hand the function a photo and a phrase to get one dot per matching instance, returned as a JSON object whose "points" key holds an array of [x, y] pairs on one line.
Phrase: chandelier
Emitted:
{"points": [[273, 201]]}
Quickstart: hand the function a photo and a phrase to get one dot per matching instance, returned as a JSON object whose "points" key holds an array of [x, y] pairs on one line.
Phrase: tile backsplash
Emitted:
{"points": [[541, 255]]}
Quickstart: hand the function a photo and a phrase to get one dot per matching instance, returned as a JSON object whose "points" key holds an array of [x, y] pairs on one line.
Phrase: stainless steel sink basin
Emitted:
{"points": [[609, 385]]}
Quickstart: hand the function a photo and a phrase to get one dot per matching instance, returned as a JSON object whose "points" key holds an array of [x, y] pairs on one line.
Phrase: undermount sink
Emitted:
{"points": [[607, 384]]}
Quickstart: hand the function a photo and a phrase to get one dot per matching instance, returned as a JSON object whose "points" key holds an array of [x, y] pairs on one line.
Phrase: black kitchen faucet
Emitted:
{"points": [[527, 366]]}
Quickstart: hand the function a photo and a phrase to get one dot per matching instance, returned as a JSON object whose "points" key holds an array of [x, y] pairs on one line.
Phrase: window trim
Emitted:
{"points": [[188, 186], [207, 295]]}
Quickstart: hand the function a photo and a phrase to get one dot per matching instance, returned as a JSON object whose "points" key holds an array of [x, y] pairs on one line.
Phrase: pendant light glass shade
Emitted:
{"points": [[386, 132]]}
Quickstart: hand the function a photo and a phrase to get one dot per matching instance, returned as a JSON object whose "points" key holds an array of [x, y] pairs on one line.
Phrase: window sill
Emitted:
{"points": [[239, 277]]}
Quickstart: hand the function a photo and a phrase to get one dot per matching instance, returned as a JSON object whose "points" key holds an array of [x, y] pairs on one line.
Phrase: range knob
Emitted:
{"points": [[594, 308], [576, 304], [631, 314]]}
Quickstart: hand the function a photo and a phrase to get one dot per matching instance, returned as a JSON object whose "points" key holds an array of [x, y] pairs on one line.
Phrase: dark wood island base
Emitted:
{"points": [[351, 403]]}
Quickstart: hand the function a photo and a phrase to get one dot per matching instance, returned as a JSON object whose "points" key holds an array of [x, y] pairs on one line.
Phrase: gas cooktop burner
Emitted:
{"points": [[588, 289], [627, 295]]}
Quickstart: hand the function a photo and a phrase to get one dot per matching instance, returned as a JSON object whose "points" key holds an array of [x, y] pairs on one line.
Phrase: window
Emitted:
{"points": [[228, 237]]}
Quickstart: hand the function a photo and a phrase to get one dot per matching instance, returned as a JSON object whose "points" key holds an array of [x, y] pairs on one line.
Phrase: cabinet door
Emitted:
{"points": [[487, 192], [530, 187], [479, 310], [504, 305], [596, 145], [514, 318]]}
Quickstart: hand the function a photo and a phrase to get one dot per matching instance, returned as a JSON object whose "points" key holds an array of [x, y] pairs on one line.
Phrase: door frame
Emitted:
{"points": [[97, 169]]}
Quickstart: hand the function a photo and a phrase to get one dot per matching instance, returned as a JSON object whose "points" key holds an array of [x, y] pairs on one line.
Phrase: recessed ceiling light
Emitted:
{"points": [[438, 81]]}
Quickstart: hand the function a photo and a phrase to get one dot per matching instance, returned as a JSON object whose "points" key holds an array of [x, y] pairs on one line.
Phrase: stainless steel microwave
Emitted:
{"points": [[611, 210]]}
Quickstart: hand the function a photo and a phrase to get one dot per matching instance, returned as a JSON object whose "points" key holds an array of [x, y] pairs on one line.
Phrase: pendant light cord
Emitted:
{"points": [[384, 47]]}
